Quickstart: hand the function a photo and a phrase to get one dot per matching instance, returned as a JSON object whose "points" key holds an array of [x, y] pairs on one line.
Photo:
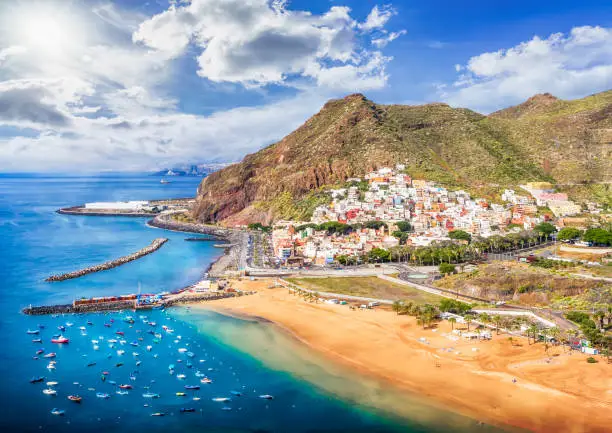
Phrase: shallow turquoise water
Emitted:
{"points": [[249, 357]]}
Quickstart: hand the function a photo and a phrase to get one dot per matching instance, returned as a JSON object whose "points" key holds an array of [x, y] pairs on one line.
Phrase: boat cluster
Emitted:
{"points": [[146, 336]]}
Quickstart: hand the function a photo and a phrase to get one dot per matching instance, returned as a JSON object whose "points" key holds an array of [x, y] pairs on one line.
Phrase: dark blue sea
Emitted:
{"points": [[244, 359]]}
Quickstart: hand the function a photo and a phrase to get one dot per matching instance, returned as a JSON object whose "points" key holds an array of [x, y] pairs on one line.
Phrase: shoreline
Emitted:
{"points": [[478, 383]]}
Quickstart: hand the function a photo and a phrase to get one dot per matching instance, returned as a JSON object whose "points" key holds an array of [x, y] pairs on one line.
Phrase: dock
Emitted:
{"points": [[154, 246]]}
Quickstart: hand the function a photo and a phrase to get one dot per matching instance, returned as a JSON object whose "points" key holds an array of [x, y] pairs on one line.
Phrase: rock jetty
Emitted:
{"points": [[154, 246]]}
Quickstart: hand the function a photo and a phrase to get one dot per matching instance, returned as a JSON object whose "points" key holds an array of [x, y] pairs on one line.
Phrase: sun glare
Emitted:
{"points": [[46, 31]]}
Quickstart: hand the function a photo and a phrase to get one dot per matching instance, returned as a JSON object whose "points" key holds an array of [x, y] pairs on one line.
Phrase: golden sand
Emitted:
{"points": [[554, 392]]}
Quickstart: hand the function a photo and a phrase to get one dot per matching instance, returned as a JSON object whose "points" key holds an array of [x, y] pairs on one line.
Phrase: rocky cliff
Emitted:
{"points": [[542, 139]]}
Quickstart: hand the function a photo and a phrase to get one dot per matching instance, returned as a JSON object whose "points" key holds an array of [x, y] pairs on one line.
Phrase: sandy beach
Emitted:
{"points": [[554, 392]]}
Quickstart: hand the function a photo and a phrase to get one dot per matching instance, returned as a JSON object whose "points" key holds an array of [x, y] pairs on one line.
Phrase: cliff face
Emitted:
{"points": [[543, 138]]}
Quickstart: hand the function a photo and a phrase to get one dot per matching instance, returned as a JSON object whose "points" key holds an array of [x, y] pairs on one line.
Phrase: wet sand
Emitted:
{"points": [[554, 392]]}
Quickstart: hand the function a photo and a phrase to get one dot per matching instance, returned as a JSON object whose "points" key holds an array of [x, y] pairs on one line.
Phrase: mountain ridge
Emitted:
{"points": [[544, 138]]}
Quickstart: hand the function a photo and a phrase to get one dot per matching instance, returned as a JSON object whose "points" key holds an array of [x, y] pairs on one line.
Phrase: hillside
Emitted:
{"points": [[543, 138]]}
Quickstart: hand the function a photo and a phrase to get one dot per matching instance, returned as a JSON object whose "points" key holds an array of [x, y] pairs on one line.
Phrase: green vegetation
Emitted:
{"points": [[592, 360], [569, 234], [545, 229], [446, 268], [598, 236], [370, 287], [460, 235], [454, 306], [403, 226], [259, 227]]}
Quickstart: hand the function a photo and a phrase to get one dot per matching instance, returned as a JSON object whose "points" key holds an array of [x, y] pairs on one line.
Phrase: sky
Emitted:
{"points": [[133, 85]]}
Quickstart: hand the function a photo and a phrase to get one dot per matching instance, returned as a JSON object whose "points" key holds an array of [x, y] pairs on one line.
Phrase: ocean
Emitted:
{"points": [[243, 359]]}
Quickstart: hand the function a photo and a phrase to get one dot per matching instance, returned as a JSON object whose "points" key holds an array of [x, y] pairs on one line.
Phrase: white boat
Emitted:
{"points": [[51, 366], [49, 391], [149, 348], [221, 399], [182, 350], [180, 376], [150, 395], [266, 397], [51, 383]]}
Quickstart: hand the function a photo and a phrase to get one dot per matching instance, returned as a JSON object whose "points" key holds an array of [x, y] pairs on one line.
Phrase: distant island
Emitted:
{"points": [[190, 170]]}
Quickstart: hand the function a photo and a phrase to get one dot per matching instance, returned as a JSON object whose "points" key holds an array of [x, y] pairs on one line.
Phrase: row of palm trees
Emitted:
{"points": [[452, 252]]}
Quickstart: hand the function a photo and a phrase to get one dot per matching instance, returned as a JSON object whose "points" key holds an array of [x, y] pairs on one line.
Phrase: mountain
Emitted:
{"points": [[190, 170], [544, 138]]}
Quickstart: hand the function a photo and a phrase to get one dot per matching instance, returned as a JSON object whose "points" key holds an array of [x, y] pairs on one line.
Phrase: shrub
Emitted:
{"points": [[447, 268], [592, 360]]}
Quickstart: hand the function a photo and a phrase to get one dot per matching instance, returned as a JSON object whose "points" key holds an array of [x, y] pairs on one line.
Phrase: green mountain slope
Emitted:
{"points": [[542, 139]]}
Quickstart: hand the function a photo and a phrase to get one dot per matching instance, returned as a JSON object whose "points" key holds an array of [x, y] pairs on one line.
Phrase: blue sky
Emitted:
{"points": [[135, 85]]}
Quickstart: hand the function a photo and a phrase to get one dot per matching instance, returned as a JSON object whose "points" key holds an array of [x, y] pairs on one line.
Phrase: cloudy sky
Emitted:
{"points": [[90, 85]]}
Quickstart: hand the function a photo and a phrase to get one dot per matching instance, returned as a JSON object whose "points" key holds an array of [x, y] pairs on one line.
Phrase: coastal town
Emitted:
{"points": [[387, 208]]}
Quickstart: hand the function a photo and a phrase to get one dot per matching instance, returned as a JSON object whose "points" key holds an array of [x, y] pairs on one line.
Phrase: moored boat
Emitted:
{"points": [[150, 395], [58, 412], [193, 387], [37, 379], [50, 355], [266, 397], [49, 391], [37, 340], [187, 409], [35, 332], [102, 395], [60, 340], [221, 399], [127, 386], [75, 398]]}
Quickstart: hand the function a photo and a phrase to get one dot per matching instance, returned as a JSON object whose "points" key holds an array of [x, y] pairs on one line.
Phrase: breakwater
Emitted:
{"points": [[71, 308], [154, 246]]}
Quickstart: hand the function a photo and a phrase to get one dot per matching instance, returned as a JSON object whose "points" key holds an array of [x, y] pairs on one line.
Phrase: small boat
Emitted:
{"points": [[112, 382], [35, 332], [52, 383], [182, 350], [221, 399], [96, 347], [37, 340], [41, 326], [149, 348], [158, 414], [119, 364], [37, 379], [89, 322], [150, 395], [152, 324], [127, 386], [120, 352], [69, 324], [49, 355], [49, 391], [134, 343], [226, 408], [138, 363], [102, 395], [236, 393], [205, 380], [190, 354], [187, 409], [266, 397], [192, 387], [58, 412], [61, 328], [120, 333], [122, 392], [108, 325], [196, 399], [91, 364], [40, 351], [181, 394], [112, 340], [180, 376], [75, 398], [82, 328], [103, 378], [60, 340], [51, 366]]}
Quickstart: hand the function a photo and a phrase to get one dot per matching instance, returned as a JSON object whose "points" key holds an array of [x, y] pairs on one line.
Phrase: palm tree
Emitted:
{"points": [[452, 321], [468, 320], [497, 320], [600, 315], [398, 306], [532, 330]]}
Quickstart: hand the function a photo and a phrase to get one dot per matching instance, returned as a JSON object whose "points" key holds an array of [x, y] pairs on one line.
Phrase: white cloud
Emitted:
{"points": [[258, 42], [104, 99], [377, 18], [384, 40], [566, 65]]}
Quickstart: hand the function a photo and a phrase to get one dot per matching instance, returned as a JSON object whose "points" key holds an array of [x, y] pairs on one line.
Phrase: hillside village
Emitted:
{"points": [[432, 212]]}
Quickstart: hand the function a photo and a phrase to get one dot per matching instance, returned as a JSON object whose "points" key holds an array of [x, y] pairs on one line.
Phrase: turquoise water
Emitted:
{"points": [[241, 356]]}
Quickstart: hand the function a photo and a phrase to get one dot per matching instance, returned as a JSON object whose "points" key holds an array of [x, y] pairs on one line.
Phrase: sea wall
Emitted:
{"points": [[69, 308], [154, 246]]}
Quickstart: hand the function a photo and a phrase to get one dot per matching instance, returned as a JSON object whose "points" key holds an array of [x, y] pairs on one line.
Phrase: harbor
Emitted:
{"points": [[204, 290], [154, 246]]}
